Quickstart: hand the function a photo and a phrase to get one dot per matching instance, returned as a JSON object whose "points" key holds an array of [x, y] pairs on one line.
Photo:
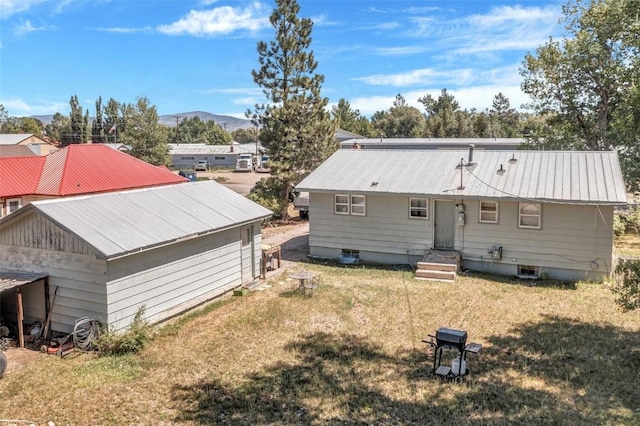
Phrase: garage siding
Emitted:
{"points": [[171, 279], [80, 279]]}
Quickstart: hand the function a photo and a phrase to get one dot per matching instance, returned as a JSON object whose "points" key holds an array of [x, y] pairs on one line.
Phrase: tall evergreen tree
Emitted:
{"points": [[400, 121], [77, 122], [112, 121], [97, 127], [296, 129]]}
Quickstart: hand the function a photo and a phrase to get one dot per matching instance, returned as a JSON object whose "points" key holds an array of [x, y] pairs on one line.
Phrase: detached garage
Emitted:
{"points": [[168, 248]]}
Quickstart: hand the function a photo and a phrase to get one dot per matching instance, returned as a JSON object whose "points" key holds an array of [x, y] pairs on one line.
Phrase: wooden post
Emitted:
{"points": [[20, 318]]}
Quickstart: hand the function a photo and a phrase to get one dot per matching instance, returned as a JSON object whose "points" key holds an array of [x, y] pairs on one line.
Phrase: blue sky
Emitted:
{"points": [[198, 55]]}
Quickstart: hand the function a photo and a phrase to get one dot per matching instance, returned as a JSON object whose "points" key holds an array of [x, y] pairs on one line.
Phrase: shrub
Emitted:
{"points": [[269, 194], [619, 226], [131, 340], [627, 284]]}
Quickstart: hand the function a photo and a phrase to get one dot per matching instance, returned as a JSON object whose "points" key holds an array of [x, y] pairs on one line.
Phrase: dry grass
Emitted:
{"points": [[352, 353], [628, 245]]}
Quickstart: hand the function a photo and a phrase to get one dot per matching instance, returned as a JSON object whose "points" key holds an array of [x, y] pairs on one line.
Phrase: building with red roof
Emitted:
{"points": [[74, 170]]}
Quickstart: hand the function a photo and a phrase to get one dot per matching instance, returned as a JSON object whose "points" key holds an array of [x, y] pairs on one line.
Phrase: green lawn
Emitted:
{"points": [[352, 353]]}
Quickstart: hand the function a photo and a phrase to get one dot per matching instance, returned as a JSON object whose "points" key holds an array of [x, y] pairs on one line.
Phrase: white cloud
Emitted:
{"points": [[26, 27], [11, 7], [399, 51], [503, 28], [19, 108], [220, 20], [125, 30], [419, 76]]}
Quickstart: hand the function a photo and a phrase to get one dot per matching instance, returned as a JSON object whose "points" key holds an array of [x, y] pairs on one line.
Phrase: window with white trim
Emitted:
{"points": [[358, 205], [13, 204], [418, 208], [342, 204], [350, 204], [187, 158], [530, 215], [488, 212]]}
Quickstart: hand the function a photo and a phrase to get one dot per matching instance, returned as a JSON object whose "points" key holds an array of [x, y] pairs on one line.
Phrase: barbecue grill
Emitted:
{"points": [[451, 340]]}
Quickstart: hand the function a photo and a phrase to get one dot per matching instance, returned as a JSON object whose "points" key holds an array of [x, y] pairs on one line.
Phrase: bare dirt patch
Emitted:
{"points": [[236, 181]]}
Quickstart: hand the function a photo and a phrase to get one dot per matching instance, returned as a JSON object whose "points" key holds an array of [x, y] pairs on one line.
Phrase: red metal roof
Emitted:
{"points": [[80, 169], [90, 168], [19, 175]]}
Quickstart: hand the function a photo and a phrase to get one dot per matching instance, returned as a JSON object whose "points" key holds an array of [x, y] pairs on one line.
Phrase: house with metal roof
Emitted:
{"points": [[185, 156], [38, 145], [494, 144], [75, 169], [166, 248], [525, 213]]}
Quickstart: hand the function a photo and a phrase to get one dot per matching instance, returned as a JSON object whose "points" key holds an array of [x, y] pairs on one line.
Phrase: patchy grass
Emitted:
{"points": [[552, 354], [220, 179], [628, 245]]}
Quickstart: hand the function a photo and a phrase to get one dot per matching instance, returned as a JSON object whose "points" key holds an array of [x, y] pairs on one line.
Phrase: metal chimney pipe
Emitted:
{"points": [[471, 146]]}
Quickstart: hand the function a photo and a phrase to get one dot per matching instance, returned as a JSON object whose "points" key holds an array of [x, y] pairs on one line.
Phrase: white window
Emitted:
{"points": [[488, 212], [354, 204], [418, 208], [13, 204], [530, 215], [342, 204], [358, 205]]}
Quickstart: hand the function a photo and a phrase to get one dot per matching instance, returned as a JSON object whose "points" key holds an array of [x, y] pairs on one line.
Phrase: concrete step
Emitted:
{"points": [[438, 266], [435, 275]]}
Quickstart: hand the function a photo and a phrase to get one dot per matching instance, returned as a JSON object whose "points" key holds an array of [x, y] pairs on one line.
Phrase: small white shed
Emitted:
{"points": [[169, 248]]}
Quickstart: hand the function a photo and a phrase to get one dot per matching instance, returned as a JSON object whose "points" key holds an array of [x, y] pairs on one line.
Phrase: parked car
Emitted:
{"points": [[192, 176], [202, 165]]}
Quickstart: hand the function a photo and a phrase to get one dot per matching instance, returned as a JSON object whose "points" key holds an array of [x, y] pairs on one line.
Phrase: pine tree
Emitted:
{"points": [[297, 131]]}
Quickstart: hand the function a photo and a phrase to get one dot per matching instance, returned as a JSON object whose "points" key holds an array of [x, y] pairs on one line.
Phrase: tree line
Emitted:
{"points": [[584, 90]]}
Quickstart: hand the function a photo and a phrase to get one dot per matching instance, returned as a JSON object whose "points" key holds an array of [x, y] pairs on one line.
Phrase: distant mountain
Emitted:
{"points": [[226, 121]]}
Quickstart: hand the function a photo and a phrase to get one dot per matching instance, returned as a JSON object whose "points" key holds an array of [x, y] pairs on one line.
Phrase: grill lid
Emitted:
{"points": [[451, 336]]}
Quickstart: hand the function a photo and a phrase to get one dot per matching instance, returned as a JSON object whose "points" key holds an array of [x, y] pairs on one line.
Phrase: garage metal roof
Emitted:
{"points": [[564, 176], [120, 223], [12, 279]]}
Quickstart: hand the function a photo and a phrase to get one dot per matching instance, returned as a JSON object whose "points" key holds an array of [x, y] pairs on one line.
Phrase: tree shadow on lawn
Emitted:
{"points": [[600, 363], [358, 380]]}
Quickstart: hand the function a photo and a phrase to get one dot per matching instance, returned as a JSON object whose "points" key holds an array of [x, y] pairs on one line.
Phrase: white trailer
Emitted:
{"points": [[263, 164]]}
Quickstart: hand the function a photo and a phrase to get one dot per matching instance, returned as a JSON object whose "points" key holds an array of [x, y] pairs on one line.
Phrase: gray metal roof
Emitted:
{"points": [[463, 142], [120, 223], [13, 138], [564, 176], [204, 149]]}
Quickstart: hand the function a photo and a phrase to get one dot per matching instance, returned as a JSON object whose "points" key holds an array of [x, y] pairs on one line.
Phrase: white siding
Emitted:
{"points": [[571, 238], [575, 241], [171, 279], [80, 279], [386, 229]]}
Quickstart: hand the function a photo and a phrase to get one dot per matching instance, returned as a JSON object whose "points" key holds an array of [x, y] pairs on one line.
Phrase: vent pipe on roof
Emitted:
{"points": [[471, 146]]}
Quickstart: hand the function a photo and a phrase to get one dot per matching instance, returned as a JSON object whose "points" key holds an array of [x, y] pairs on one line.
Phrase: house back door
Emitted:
{"points": [[443, 225]]}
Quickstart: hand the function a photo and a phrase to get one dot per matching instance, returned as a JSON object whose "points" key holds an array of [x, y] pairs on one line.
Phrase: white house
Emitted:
{"points": [[507, 212], [168, 248]]}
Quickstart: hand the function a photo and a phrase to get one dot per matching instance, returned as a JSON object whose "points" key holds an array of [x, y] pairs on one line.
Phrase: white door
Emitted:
{"points": [[443, 225]]}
